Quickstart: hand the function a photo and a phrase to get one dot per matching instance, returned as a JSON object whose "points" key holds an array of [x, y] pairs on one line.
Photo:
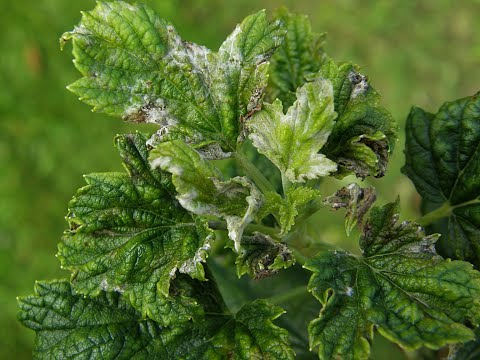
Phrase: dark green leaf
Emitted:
{"points": [[71, 326], [136, 66], [364, 133], [129, 234], [300, 56], [400, 286], [443, 161]]}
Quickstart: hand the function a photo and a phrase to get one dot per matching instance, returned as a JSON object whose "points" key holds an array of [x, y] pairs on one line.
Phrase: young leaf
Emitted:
{"points": [[443, 161], [400, 286], [129, 234], [356, 200], [70, 326], [260, 256], [136, 66], [365, 132], [287, 208], [300, 56], [292, 141], [201, 189]]}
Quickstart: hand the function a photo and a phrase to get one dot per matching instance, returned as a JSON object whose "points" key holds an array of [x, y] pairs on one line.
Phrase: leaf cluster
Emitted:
{"points": [[245, 136]]}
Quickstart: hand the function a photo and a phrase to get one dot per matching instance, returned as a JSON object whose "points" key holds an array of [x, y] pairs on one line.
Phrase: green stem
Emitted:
{"points": [[251, 170], [437, 214], [287, 296], [285, 184], [443, 211]]}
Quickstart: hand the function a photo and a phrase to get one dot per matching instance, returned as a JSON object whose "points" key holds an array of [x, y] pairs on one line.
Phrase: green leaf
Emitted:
{"points": [[443, 161], [201, 189], [300, 56], [256, 337], [136, 66], [365, 132], [467, 351], [356, 200], [400, 286], [292, 141], [287, 208], [260, 256], [71, 326], [129, 234]]}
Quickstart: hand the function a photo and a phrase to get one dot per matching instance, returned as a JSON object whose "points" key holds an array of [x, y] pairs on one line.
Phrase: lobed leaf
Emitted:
{"points": [[300, 55], [400, 286], [442, 154], [129, 234], [136, 66], [364, 133], [71, 326], [288, 207], [201, 190], [292, 141]]}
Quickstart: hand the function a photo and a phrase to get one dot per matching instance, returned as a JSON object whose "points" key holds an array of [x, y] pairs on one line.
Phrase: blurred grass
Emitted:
{"points": [[414, 52]]}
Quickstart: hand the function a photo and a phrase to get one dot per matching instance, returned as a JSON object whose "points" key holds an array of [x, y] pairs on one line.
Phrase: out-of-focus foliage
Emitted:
{"points": [[48, 139]]}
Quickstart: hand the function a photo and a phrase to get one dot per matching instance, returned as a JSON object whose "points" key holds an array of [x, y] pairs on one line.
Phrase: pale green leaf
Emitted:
{"points": [[136, 66], [292, 141], [202, 191], [71, 326], [288, 207], [300, 56], [129, 234], [443, 161], [365, 132], [400, 286], [356, 200], [261, 256]]}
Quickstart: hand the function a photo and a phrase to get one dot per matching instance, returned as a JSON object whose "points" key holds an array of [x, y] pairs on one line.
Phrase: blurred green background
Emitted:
{"points": [[414, 52]]}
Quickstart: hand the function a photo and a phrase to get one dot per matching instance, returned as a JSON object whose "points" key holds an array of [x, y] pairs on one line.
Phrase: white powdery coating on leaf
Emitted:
{"points": [[235, 224], [190, 266], [104, 284], [359, 82], [318, 165], [231, 49], [292, 141], [165, 163]]}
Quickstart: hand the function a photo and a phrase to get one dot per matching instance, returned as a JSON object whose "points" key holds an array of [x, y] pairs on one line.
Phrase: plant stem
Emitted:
{"points": [[251, 170], [291, 294], [437, 214], [285, 184], [443, 211]]}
